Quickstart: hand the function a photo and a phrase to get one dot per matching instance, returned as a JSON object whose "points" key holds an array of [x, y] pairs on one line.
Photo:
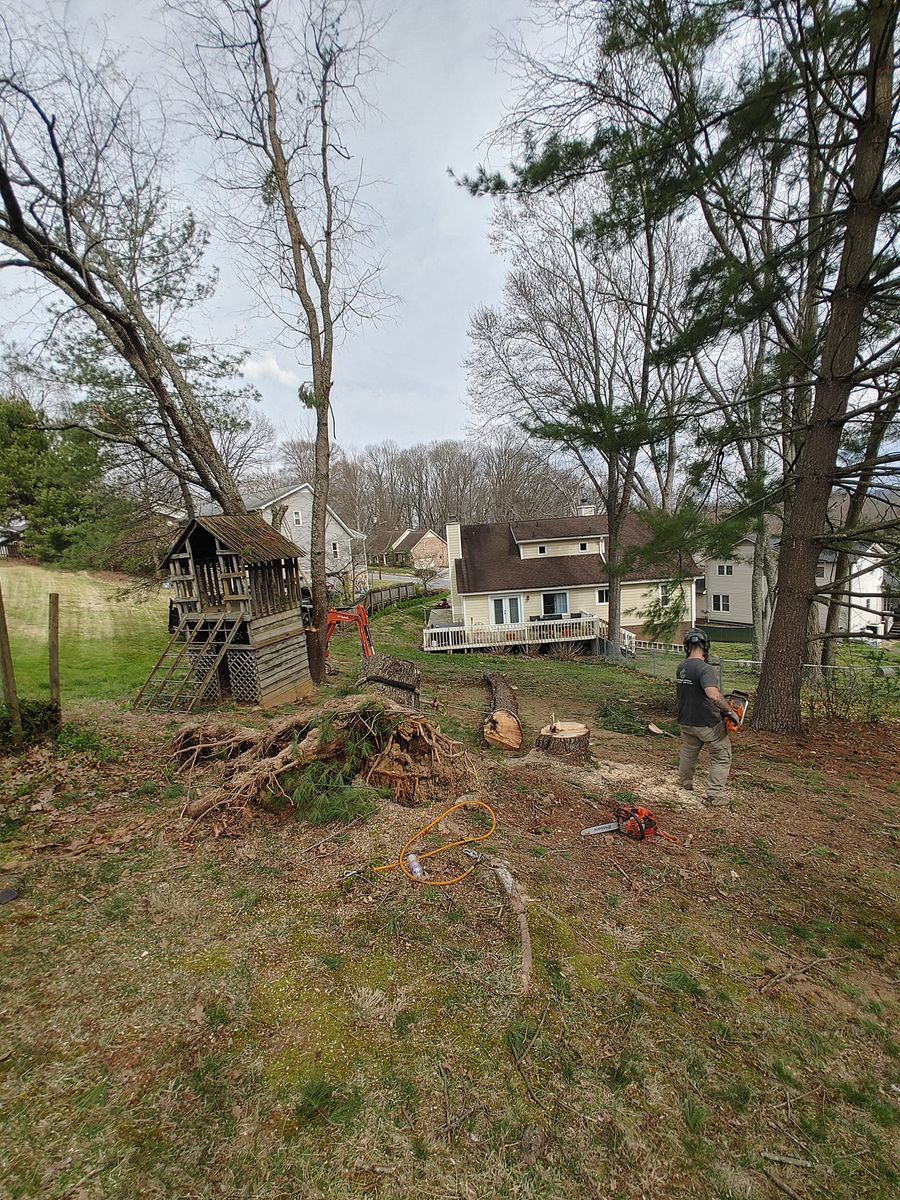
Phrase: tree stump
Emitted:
{"points": [[502, 726], [394, 678], [568, 740]]}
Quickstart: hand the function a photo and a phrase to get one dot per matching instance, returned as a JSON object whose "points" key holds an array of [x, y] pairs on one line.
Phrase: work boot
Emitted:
{"points": [[686, 787], [720, 801]]}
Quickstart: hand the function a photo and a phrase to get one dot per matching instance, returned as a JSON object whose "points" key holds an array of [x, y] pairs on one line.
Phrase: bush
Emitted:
{"points": [[40, 720]]}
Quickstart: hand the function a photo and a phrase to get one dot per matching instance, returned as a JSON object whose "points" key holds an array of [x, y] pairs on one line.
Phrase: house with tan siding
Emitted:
{"points": [[546, 581]]}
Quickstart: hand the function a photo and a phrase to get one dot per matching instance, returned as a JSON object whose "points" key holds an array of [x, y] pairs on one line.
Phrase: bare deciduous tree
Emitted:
{"points": [[279, 87], [570, 355]]}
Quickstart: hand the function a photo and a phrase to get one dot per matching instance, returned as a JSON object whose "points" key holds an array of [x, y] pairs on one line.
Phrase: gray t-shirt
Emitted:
{"points": [[694, 706]]}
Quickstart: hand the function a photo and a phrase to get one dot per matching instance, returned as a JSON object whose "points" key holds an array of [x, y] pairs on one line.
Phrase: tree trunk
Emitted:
{"points": [[568, 740], [759, 592], [317, 549], [778, 697], [502, 726], [614, 612]]}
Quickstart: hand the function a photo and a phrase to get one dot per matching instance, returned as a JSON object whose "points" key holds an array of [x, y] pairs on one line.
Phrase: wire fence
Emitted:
{"points": [[864, 690]]}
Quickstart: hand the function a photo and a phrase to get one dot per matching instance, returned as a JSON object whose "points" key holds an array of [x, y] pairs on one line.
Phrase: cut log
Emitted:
{"points": [[568, 740], [502, 726]]}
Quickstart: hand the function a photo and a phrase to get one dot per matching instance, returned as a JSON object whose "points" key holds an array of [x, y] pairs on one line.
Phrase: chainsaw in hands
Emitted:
{"points": [[738, 703]]}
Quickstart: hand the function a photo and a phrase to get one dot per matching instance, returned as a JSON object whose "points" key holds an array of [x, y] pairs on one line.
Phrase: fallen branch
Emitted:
{"points": [[780, 1184], [517, 904], [786, 1159]]}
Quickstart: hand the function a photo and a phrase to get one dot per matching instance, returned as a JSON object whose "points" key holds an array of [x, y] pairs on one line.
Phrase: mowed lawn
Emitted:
{"points": [[108, 640]]}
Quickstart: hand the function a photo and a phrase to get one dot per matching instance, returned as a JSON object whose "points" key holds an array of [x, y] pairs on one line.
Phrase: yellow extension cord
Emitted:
{"points": [[480, 837]]}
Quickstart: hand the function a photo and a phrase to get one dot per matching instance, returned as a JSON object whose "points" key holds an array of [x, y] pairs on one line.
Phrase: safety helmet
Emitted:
{"points": [[695, 637]]}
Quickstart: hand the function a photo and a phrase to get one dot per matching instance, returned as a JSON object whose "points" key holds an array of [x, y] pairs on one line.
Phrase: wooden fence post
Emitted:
{"points": [[10, 694], [53, 644]]}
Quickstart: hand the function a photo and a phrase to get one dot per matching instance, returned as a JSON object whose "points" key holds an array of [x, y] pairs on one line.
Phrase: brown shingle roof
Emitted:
{"points": [[412, 539], [380, 540], [552, 528], [246, 534], [490, 558]]}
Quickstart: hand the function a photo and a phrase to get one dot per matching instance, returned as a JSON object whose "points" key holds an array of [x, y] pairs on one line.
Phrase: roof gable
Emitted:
{"points": [[245, 534], [411, 539], [491, 562]]}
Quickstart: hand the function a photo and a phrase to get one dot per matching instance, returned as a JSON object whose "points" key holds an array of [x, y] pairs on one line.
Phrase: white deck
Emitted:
{"points": [[530, 633]]}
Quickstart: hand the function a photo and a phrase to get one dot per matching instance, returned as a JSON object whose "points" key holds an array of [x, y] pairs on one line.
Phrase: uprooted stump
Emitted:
{"points": [[356, 740], [419, 764]]}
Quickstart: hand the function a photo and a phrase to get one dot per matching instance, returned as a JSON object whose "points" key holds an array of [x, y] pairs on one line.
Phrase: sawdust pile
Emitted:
{"points": [[358, 740]]}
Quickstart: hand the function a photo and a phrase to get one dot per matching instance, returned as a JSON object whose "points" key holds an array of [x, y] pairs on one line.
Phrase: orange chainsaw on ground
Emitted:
{"points": [[738, 703]]}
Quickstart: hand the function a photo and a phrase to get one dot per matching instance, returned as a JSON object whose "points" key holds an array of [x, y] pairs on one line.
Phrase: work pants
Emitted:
{"points": [[693, 739]]}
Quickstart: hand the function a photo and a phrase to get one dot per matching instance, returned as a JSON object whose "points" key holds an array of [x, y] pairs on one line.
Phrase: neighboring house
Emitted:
{"points": [[545, 581], [407, 547], [725, 595], [11, 531], [289, 511], [865, 607]]}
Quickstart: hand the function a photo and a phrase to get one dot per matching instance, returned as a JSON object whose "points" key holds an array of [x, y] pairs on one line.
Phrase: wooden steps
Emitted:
{"points": [[189, 664]]}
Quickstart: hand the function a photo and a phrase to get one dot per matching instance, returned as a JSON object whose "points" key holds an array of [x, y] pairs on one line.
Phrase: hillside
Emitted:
{"points": [[260, 1014]]}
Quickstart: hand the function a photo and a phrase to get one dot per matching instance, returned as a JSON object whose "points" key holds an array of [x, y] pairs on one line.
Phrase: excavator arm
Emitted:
{"points": [[355, 616]]}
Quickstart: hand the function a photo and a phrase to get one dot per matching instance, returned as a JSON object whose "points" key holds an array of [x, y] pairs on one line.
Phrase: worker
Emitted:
{"points": [[701, 707]]}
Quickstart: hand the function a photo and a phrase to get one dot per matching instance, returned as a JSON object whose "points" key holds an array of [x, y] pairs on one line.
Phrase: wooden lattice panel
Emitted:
{"points": [[201, 663], [244, 676]]}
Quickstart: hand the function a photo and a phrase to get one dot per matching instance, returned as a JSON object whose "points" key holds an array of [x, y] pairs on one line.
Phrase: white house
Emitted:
{"points": [[289, 510], [726, 598]]}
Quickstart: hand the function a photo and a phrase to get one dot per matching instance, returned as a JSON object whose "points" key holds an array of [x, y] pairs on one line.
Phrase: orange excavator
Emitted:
{"points": [[353, 616]]}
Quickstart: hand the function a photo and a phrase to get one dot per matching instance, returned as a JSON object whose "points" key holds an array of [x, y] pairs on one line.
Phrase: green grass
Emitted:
{"points": [[107, 647], [398, 632]]}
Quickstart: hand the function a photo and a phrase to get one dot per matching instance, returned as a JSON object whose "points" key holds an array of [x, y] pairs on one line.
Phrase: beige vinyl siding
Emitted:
{"points": [[637, 598], [564, 547], [738, 587]]}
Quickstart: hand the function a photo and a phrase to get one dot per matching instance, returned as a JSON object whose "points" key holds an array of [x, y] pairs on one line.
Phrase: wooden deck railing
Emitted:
{"points": [[530, 633]]}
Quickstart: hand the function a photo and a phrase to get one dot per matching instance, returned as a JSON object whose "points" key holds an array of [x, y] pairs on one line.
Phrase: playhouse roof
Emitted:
{"points": [[246, 534]]}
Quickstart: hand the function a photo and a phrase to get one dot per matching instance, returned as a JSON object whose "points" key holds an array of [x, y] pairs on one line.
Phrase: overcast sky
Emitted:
{"points": [[439, 94]]}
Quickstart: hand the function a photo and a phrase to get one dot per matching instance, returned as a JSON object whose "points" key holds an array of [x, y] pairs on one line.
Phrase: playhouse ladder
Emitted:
{"points": [[177, 674]]}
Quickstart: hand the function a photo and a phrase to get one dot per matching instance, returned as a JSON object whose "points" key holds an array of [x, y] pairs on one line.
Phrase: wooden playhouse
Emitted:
{"points": [[236, 617]]}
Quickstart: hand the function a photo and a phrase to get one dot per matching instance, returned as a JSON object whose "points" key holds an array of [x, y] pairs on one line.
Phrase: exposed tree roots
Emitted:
{"points": [[360, 738]]}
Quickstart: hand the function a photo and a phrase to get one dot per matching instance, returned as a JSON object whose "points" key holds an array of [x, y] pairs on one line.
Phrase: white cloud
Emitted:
{"points": [[265, 366]]}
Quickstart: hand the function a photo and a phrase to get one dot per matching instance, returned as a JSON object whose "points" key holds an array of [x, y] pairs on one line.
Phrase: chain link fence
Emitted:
{"points": [[865, 691]]}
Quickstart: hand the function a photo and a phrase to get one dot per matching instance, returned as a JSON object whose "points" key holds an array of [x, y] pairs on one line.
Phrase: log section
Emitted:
{"points": [[502, 726]]}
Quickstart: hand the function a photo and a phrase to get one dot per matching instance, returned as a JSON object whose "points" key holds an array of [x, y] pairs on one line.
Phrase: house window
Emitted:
{"points": [[725, 569], [721, 603], [542, 549], [820, 570], [298, 517], [603, 595], [555, 604], [582, 545], [334, 550], [506, 610]]}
